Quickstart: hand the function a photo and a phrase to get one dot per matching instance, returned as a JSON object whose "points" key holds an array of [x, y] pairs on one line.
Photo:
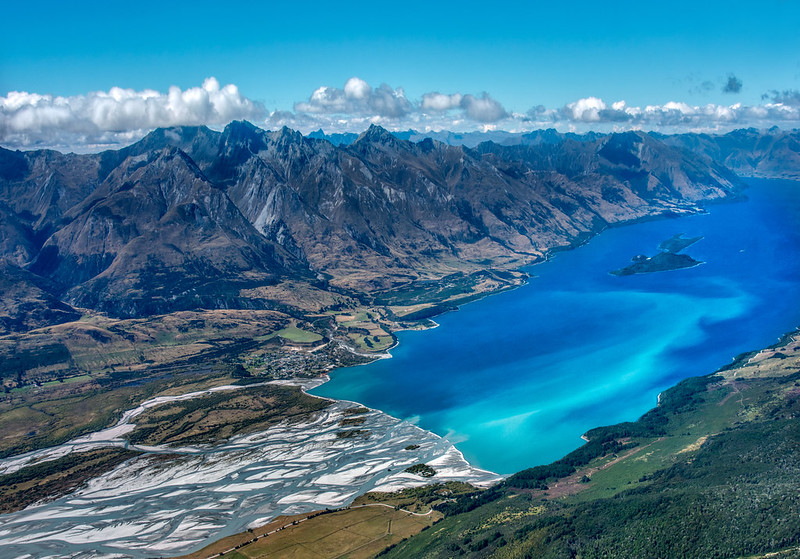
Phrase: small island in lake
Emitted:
{"points": [[667, 259]]}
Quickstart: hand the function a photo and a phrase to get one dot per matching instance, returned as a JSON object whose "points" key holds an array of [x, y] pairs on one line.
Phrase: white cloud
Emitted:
{"points": [[356, 88], [357, 99], [30, 119], [436, 101], [585, 110], [483, 108], [670, 117], [119, 116]]}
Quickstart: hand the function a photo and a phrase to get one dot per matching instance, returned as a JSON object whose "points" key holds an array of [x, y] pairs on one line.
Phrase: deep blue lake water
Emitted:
{"points": [[515, 379]]}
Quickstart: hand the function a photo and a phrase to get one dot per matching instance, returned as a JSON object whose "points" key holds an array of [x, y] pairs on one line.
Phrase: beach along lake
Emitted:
{"points": [[515, 379]]}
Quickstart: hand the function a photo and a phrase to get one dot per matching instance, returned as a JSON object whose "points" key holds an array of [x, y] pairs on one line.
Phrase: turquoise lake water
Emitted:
{"points": [[515, 379]]}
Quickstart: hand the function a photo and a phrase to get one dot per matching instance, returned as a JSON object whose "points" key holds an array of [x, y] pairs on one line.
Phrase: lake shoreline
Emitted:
{"points": [[497, 292], [531, 272]]}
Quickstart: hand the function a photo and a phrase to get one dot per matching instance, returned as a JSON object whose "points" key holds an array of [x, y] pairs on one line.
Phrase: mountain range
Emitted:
{"points": [[191, 218]]}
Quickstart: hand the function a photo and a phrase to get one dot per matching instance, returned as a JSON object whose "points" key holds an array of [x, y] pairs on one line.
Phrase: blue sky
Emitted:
{"points": [[522, 54]]}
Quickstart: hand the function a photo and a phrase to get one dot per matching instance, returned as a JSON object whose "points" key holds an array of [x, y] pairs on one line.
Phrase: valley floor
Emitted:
{"points": [[205, 491], [235, 462]]}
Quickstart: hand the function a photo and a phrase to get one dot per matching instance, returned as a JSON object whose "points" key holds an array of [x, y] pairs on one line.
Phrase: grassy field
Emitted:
{"points": [[66, 380], [374, 522], [221, 415], [47, 416], [453, 287], [360, 532], [300, 296], [357, 533], [98, 345], [57, 477], [295, 334], [365, 329]]}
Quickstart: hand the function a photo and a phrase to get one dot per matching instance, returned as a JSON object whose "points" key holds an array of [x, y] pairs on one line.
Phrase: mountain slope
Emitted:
{"points": [[383, 211], [774, 154], [188, 217], [27, 301], [156, 236]]}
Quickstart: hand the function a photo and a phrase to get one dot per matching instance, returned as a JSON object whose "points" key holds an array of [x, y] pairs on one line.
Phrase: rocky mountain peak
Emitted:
{"points": [[199, 142], [182, 137], [377, 135], [241, 128], [623, 149], [546, 136], [286, 135], [241, 133], [13, 165]]}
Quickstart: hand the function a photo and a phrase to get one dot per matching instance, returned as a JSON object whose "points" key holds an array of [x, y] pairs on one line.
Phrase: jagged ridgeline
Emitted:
{"points": [[191, 218]]}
